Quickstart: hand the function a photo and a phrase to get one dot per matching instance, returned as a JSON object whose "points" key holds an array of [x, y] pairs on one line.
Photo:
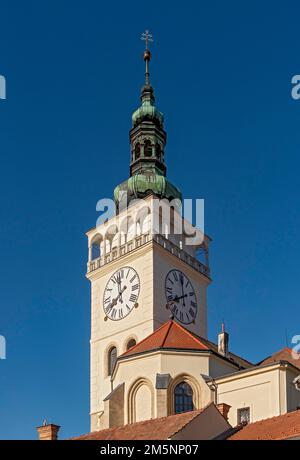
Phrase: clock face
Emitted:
{"points": [[121, 293], [181, 297]]}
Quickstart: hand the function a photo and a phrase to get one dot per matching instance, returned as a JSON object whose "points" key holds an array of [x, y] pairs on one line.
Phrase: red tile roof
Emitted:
{"points": [[283, 355], [282, 427], [155, 429], [169, 335], [173, 335]]}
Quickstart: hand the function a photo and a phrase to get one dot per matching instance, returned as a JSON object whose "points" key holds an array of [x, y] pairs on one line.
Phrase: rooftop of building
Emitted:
{"points": [[285, 354], [285, 426], [208, 422], [172, 335]]}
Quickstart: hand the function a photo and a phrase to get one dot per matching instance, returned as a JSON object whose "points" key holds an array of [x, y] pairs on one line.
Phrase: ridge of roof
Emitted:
{"points": [[146, 338], [171, 327], [176, 423], [197, 413], [167, 330], [193, 336], [231, 355], [284, 354]]}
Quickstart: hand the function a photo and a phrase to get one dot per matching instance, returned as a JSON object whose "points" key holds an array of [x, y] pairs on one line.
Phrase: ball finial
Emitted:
{"points": [[147, 55]]}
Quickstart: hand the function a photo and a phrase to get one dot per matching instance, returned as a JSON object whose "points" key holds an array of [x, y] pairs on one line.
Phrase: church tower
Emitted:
{"points": [[141, 266]]}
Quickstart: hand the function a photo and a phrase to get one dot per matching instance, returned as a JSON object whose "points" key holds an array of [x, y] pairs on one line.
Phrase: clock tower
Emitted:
{"points": [[143, 265]]}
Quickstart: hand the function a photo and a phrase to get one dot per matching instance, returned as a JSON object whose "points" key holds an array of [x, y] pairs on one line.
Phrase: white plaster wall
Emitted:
{"points": [[148, 365], [143, 404], [219, 367], [259, 391], [104, 334]]}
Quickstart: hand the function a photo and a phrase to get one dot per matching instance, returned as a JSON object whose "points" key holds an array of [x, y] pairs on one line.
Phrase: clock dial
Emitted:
{"points": [[121, 293], [181, 297]]}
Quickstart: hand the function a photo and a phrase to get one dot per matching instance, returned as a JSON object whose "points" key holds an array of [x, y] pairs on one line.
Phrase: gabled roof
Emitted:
{"points": [[210, 423], [159, 428], [171, 335], [282, 355], [281, 427]]}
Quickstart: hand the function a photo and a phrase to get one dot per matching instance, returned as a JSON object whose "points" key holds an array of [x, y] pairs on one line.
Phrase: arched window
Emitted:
{"points": [[96, 251], [111, 361], [183, 398], [137, 150], [147, 148], [130, 344]]}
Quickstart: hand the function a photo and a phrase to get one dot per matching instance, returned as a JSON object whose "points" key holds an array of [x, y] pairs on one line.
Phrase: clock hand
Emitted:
{"points": [[115, 300], [176, 298], [123, 289], [119, 287], [120, 294]]}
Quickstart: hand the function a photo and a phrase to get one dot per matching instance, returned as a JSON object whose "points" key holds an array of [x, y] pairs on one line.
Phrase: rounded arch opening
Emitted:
{"points": [[143, 220], [96, 247], [130, 343], [111, 238], [137, 151], [183, 398], [140, 401], [147, 148], [183, 393], [112, 356]]}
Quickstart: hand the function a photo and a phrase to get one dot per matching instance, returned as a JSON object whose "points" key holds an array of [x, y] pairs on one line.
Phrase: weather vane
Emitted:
{"points": [[147, 37]]}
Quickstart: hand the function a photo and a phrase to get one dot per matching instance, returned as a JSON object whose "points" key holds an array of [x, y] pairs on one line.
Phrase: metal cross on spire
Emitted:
{"points": [[147, 37]]}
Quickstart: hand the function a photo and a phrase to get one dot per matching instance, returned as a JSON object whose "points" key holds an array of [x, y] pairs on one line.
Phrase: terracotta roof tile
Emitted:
{"points": [[169, 335], [173, 335], [282, 355], [275, 428], [155, 429]]}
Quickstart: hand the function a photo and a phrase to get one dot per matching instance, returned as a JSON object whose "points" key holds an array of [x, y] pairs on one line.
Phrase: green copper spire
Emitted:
{"points": [[147, 141], [147, 136]]}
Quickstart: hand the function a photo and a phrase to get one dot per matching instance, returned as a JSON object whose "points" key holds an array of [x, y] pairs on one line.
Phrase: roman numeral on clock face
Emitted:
{"points": [[133, 298], [192, 312], [108, 309], [121, 293]]}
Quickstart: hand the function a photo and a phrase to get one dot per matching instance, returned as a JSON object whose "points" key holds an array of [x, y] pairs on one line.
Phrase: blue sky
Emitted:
{"points": [[222, 73]]}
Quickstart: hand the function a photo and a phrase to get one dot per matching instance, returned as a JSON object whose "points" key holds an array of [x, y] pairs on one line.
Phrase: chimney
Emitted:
{"points": [[224, 409], [223, 340], [48, 432]]}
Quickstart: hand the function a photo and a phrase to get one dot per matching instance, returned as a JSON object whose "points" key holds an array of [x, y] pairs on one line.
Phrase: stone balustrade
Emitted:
{"points": [[141, 240]]}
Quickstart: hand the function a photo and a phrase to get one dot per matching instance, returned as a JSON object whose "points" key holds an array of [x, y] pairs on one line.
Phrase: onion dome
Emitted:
{"points": [[140, 186], [147, 111]]}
